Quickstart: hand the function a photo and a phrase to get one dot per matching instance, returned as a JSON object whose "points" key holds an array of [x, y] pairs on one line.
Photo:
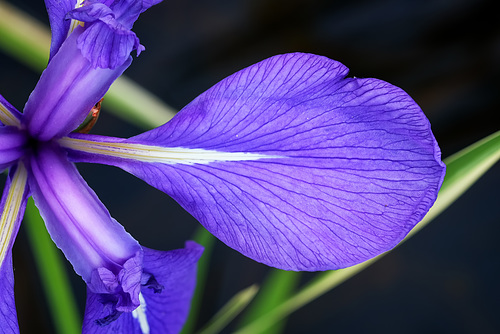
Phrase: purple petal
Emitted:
{"points": [[91, 12], [59, 25], [168, 285], [12, 206], [100, 250], [340, 170], [107, 40], [8, 114], [108, 45], [12, 145], [66, 92], [8, 315]]}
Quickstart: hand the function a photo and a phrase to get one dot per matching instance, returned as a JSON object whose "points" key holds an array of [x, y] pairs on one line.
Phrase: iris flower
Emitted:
{"points": [[130, 289], [290, 161]]}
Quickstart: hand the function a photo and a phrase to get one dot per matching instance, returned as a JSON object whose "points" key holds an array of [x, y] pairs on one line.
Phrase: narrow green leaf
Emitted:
{"points": [[23, 38], [207, 240], [229, 311], [278, 286], [49, 261], [28, 41], [463, 170]]}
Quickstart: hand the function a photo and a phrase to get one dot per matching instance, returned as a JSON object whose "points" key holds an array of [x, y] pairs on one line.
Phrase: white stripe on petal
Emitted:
{"points": [[140, 315], [158, 154], [10, 211]]}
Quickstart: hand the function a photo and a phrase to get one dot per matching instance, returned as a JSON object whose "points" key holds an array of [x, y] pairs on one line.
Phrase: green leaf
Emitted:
{"points": [[207, 240], [49, 261], [278, 286], [463, 170], [229, 311]]}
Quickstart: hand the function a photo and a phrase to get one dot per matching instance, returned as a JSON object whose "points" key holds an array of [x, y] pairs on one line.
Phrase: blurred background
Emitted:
{"points": [[444, 53]]}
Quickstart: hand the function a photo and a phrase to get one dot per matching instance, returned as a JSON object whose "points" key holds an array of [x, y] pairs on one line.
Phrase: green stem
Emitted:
{"points": [[54, 278]]}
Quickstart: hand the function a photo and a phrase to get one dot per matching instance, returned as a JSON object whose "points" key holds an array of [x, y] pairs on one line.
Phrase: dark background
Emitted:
{"points": [[443, 53]]}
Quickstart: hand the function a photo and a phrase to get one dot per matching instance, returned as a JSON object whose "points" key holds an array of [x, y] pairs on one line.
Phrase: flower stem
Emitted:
{"points": [[49, 261]]}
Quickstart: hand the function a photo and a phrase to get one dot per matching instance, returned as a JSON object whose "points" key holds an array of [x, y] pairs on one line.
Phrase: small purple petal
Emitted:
{"points": [[66, 92], [59, 25], [167, 288], [107, 40], [127, 12], [343, 169], [91, 12], [12, 145], [8, 315], [97, 246], [108, 45]]}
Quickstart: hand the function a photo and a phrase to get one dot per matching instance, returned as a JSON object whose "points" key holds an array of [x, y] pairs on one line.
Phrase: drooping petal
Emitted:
{"points": [[8, 114], [12, 145], [12, 208], [100, 250], [108, 45], [66, 92], [107, 40], [291, 163], [59, 25], [168, 285]]}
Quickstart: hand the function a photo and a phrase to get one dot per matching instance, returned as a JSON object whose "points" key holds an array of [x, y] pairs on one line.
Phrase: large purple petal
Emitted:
{"points": [[12, 206], [66, 92], [168, 285], [291, 163], [59, 25], [100, 250]]}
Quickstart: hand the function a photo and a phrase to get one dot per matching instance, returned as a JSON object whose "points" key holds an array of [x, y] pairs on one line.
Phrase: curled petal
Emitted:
{"points": [[107, 40], [291, 163], [66, 92], [100, 250], [108, 45], [12, 208], [167, 288]]}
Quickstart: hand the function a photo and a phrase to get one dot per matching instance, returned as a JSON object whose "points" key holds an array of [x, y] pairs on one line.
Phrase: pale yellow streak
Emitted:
{"points": [[7, 118], [165, 155], [11, 209]]}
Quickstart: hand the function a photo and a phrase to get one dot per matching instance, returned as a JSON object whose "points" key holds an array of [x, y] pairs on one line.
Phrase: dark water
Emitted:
{"points": [[445, 54]]}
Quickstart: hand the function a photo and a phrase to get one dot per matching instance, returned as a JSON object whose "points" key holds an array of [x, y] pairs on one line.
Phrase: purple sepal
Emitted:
{"points": [[8, 315], [351, 166], [12, 145], [97, 246], [107, 40], [66, 92], [59, 25], [168, 282]]}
